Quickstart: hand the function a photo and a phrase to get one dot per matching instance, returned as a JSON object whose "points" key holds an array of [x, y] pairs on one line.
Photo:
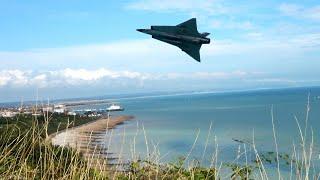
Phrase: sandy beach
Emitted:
{"points": [[87, 139], [102, 124]]}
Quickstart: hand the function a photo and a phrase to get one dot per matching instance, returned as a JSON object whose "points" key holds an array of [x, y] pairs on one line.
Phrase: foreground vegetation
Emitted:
{"points": [[26, 153], [50, 122]]}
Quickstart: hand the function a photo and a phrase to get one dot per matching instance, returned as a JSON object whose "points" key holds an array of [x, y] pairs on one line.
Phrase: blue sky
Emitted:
{"points": [[82, 48]]}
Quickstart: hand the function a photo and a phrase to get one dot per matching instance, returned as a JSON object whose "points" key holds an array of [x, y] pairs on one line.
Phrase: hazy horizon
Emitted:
{"points": [[152, 94]]}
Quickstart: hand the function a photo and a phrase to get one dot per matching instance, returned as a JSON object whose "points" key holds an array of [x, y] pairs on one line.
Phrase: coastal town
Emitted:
{"points": [[59, 108], [35, 110]]}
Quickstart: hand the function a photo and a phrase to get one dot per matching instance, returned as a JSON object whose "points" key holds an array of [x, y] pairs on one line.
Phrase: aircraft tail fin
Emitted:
{"points": [[190, 26]]}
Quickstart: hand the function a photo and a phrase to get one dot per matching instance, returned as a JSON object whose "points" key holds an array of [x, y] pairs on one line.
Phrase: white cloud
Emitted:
{"points": [[77, 77], [122, 55], [308, 40], [40, 80], [245, 25], [222, 75], [255, 36], [208, 7], [73, 77], [275, 80], [299, 11], [87, 75], [290, 9], [4, 79], [90, 82], [15, 77]]}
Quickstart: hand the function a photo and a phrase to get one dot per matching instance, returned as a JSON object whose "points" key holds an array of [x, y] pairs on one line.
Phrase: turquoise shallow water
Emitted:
{"points": [[172, 123]]}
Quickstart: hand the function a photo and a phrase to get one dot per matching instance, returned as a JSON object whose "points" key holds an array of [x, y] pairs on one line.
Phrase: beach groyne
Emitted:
{"points": [[87, 139]]}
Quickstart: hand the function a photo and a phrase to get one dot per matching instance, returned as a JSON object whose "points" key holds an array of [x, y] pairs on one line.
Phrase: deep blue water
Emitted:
{"points": [[171, 123]]}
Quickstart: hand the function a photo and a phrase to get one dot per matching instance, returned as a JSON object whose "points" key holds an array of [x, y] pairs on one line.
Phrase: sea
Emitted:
{"points": [[214, 129], [219, 128]]}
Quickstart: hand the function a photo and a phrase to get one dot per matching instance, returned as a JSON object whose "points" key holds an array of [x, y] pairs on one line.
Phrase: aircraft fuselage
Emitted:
{"points": [[176, 38]]}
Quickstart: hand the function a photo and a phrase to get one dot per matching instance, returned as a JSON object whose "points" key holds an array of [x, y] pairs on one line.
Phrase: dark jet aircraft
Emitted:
{"points": [[184, 35]]}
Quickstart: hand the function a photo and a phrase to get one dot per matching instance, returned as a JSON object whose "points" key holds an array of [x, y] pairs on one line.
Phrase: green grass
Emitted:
{"points": [[26, 154], [53, 122]]}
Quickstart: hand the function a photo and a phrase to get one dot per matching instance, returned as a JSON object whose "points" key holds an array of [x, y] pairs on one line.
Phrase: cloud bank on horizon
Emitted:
{"points": [[93, 49]]}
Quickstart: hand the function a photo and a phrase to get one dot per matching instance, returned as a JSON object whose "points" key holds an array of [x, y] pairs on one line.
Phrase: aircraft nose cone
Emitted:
{"points": [[140, 30]]}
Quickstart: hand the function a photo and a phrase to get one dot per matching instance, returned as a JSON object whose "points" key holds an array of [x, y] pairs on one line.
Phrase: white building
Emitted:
{"points": [[94, 115], [8, 114], [47, 109], [72, 113], [36, 114], [59, 108]]}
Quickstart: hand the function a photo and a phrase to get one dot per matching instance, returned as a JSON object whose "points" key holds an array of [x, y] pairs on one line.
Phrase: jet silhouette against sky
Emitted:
{"points": [[184, 35]]}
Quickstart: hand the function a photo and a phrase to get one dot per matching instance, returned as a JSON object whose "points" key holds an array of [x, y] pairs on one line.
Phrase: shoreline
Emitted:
{"points": [[103, 123], [96, 125], [86, 139]]}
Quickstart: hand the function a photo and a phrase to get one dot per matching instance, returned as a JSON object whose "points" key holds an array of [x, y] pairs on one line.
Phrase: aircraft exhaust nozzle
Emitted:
{"points": [[205, 34]]}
